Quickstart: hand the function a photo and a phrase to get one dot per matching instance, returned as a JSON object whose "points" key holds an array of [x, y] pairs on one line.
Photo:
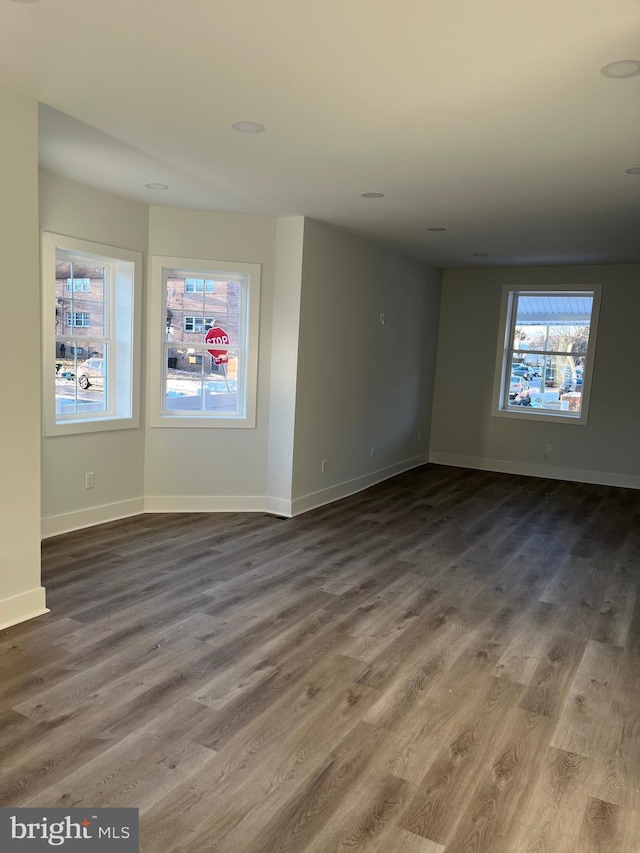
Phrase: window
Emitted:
{"points": [[78, 318], [78, 285], [91, 336], [545, 359], [197, 324], [206, 359], [198, 285]]}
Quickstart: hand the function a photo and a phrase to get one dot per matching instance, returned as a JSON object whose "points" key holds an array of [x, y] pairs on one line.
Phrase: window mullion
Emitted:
{"points": [[561, 352]]}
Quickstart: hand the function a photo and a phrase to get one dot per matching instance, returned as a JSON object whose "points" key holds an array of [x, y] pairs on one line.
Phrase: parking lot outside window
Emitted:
{"points": [[546, 352], [91, 296], [204, 367]]}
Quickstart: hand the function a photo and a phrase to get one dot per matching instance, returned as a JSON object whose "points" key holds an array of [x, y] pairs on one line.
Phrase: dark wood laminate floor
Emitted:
{"points": [[446, 663]]}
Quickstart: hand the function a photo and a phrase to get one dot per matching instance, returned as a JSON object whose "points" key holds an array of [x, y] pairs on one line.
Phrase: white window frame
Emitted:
{"points": [[158, 416], [123, 304], [501, 383]]}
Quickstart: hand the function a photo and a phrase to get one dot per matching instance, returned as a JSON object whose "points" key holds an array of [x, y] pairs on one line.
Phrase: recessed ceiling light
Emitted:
{"points": [[621, 69], [480, 255], [634, 170], [372, 195], [248, 127], [436, 229], [156, 186]]}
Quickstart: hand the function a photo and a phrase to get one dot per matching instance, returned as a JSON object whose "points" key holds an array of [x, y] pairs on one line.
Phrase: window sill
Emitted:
{"points": [[528, 414], [77, 427], [195, 422]]}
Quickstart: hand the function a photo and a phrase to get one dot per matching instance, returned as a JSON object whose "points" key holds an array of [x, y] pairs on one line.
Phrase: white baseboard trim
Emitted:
{"points": [[279, 506], [21, 607], [53, 525], [352, 487], [530, 469], [205, 503]]}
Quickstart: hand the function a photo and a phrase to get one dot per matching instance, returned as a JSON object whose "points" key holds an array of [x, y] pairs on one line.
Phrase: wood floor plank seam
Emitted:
{"points": [[448, 662]]}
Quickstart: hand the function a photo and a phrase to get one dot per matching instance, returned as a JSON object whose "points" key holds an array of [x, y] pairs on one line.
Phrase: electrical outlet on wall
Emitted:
{"points": [[89, 480], [323, 466]]}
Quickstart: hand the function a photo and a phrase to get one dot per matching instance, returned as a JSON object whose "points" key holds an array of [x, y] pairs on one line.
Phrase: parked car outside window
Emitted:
{"points": [[517, 387], [91, 372]]}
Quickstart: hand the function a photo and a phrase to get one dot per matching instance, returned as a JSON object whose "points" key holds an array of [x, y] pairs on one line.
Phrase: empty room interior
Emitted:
{"points": [[321, 425]]}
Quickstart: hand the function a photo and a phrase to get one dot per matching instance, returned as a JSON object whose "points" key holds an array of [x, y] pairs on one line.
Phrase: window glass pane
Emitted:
{"points": [[81, 381], [185, 311], [221, 386], [66, 361], [180, 359], [196, 381], [552, 338], [196, 305], [551, 383], [225, 306], [553, 323], [80, 299]]}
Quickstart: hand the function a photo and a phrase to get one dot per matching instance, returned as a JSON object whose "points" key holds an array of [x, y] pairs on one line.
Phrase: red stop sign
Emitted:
{"points": [[220, 338]]}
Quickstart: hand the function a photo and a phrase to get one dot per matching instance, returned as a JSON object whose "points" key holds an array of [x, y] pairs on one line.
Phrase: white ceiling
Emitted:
{"points": [[490, 119]]}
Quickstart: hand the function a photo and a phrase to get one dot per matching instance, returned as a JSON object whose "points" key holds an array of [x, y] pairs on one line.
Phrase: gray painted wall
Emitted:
{"points": [[464, 430], [116, 457], [182, 465], [360, 383], [284, 361]]}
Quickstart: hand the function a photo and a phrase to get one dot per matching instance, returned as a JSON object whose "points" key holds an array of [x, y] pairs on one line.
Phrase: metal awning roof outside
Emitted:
{"points": [[554, 310]]}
